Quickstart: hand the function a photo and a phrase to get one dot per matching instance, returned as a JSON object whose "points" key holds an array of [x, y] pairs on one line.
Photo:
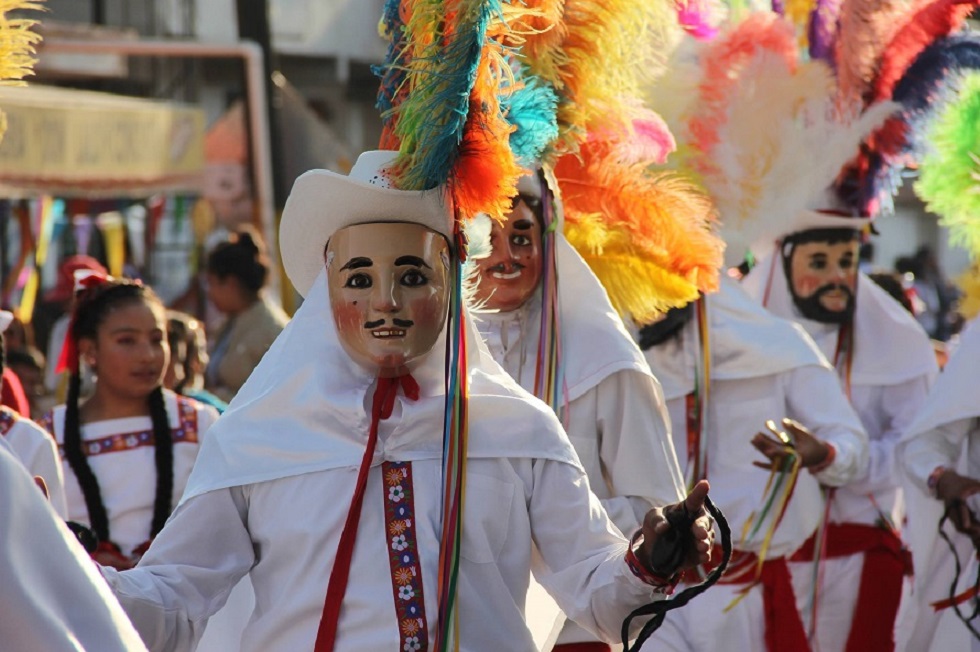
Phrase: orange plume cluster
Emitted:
{"points": [[648, 237]]}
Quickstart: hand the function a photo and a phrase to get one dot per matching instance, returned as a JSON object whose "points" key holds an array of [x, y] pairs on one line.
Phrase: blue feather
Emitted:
{"points": [[392, 71], [533, 110], [440, 117]]}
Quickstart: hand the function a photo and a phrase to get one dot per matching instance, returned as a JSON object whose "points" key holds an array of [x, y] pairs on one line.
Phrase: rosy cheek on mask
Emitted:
{"points": [[807, 284], [426, 314], [347, 316]]}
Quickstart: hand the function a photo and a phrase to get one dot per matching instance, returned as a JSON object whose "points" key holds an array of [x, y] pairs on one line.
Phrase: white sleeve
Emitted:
{"points": [[941, 446], [817, 401], [47, 464], [900, 404], [636, 449], [585, 559], [184, 578], [51, 595]]}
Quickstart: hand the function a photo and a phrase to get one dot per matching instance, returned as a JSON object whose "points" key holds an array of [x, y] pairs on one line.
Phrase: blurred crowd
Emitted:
{"points": [[211, 354]]}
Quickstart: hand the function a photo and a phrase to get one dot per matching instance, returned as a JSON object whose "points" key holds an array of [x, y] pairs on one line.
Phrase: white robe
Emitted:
{"points": [[893, 368], [51, 595], [615, 417], [946, 432], [272, 486], [762, 368], [38, 451], [127, 477]]}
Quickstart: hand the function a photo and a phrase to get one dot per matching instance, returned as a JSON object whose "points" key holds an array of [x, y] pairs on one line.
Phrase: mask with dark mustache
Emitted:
{"points": [[811, 308], [400, 323]]}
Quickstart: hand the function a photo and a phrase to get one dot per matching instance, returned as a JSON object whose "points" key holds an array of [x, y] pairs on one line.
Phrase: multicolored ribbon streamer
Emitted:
{"points": [[549, 377], [778, 491]]}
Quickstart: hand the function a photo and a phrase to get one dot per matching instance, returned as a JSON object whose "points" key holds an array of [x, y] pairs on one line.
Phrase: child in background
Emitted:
{"points": [[129, 448], [34, 447], [188, 359]]}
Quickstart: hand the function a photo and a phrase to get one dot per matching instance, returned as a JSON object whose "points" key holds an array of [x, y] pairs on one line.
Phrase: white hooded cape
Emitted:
{"points": [[738, 328], [595, 342], [890, 347], [303, 409]]}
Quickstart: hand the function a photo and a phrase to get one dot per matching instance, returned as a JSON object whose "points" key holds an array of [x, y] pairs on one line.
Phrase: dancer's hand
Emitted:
{"points": [[696, 543], [794, 440]]}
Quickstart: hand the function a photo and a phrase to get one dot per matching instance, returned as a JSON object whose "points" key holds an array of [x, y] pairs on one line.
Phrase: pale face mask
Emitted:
{"points": [[389, 293]]}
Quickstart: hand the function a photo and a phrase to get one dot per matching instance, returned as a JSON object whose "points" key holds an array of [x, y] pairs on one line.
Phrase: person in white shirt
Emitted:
{"points": [[886, 365], [324, 477], [129, 448], [35, 448], [609, 402], [941, 458], [51, 594], [758, 368]]}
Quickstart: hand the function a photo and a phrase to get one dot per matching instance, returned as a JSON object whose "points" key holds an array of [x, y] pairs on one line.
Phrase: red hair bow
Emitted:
{"points": [[85, 282]]}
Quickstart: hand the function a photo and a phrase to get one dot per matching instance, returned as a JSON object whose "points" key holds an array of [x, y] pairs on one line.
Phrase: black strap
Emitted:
{"points": [[660, 608], [956, 579]]}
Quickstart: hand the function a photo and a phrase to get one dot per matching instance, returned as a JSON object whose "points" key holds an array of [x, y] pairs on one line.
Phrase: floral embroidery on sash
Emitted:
{"points": [[403, 556]]}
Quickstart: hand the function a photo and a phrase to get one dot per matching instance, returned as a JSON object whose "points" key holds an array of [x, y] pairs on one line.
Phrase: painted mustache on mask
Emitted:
{"points": [[401, 323]]}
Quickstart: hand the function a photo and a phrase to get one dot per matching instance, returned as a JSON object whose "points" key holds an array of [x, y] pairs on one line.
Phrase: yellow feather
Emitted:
{"points": [[638, 285], [969, 284]]}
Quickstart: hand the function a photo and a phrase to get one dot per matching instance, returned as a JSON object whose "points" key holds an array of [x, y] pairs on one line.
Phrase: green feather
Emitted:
{"points": [[949, 181]]}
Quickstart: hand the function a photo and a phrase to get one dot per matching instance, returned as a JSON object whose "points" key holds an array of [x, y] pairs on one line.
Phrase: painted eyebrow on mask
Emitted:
{"points": [[356, 263], [415, 261]]}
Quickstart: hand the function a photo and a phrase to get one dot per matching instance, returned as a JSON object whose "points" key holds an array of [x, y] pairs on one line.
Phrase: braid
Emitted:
{"points": [[91, 307], [98, 517], [164, 457]]}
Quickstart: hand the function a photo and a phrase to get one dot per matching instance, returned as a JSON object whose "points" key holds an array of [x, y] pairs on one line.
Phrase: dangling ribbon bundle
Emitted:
{"points": [[776, 495]]}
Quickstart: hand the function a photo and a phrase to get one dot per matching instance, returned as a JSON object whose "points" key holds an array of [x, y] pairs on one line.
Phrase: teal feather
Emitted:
{"points": [[533, 110], [432, 118]]}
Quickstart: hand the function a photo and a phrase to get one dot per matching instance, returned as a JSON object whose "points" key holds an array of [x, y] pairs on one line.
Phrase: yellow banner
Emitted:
{"points": [[80, 143]]}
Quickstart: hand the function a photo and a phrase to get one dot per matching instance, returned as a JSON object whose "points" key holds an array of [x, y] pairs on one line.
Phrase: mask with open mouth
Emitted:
{"points": [[389, 292], [509, 276]]}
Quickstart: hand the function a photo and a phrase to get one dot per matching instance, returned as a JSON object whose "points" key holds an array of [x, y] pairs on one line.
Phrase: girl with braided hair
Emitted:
{"points": [[129, 448]]}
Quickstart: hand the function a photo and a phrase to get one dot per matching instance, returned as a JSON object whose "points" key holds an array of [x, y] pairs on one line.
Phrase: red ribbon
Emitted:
{"points": [[784, 631], [886, 562], [68, 360], [381, 407]]}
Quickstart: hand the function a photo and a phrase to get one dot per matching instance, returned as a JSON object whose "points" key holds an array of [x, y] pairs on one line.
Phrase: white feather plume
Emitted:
{"points": [[783, 143]]}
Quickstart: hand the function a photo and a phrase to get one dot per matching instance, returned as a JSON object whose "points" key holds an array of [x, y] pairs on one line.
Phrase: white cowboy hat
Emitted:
{"points": [[322, 202]]}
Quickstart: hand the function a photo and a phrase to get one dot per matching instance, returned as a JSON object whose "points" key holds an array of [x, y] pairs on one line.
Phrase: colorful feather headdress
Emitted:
{"points": [[905, 52], [949, 180], [648, 236], [766, 133]]}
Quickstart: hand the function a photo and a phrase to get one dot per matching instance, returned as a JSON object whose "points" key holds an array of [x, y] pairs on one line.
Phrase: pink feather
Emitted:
{"points": [[642, 138], [694, 17], [723, 61]]}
